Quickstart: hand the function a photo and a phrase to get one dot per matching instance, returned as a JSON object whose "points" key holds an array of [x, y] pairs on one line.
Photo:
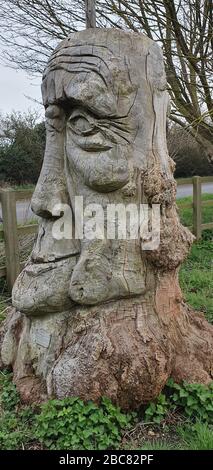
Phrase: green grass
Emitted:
{"points": [[196, 274], [186, 214], [158, 445], [198, 436], [196, 278], [3, 306], [21, 187], [5, 299]]}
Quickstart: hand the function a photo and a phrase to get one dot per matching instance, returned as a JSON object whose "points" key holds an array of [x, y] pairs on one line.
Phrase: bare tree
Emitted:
{"points": [[31, 29], [183, 28]]}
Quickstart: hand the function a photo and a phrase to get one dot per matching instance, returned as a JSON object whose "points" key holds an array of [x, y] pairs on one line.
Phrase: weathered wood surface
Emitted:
{"points": [[110, 315], [8, 201]]}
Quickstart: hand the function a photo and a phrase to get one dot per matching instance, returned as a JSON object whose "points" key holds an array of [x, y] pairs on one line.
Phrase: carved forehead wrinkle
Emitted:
{"points": [[80, 87], [88, 56], [105, 70], [76, 72]]}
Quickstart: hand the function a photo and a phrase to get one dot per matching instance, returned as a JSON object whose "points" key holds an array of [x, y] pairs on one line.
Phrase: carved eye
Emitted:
{"points": [[80, 124]]}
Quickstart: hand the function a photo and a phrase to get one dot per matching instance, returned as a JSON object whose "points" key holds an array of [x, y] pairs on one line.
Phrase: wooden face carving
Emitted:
{"points": [[105, 123]]}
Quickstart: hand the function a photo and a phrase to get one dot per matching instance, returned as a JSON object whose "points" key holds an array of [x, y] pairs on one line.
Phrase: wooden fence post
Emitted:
{"points": [[197, 230], [8, 201]]}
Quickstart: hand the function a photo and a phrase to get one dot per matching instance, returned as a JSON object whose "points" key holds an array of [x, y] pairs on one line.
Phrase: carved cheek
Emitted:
{"points": [[104, 170]]}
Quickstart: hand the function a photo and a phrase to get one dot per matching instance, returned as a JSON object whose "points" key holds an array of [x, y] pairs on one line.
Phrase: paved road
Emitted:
{"points": [[24, 213], [186, 189]]}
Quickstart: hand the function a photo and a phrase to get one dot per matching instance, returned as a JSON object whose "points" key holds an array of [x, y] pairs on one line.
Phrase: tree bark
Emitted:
{"points": [[125, 350]]}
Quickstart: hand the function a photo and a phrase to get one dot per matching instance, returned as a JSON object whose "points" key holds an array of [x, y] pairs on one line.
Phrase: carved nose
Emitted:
{"points": [[42, 202], [51, 186], [46, 195]]}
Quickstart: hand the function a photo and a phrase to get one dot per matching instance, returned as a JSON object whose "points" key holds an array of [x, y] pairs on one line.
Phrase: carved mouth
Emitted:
{"points": [[39, 266], [51, 258]]}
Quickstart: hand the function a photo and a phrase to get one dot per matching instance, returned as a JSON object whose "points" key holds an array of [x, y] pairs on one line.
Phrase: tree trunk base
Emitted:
{"points": [[125, 350]]}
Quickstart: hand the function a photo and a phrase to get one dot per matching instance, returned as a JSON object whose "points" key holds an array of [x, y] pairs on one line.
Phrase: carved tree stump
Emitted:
{"points": [[105, 316]]}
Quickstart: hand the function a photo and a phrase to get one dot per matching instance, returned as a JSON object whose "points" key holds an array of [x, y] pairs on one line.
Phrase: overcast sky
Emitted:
{"points": [[14, 87]]}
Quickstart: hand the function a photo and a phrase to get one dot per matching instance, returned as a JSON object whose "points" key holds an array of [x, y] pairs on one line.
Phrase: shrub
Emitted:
{"points": [[188, 155], [196, 400], [73, 424], [16, 422], [193, 400], [9, 396], [157, 410], [21, 148]]}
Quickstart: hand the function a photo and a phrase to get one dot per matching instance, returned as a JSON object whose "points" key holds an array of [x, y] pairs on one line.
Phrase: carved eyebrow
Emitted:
{"points": [[107, 106], [73, 102], [76, 59], [85, 62], [82, 50], [81, 67]]}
